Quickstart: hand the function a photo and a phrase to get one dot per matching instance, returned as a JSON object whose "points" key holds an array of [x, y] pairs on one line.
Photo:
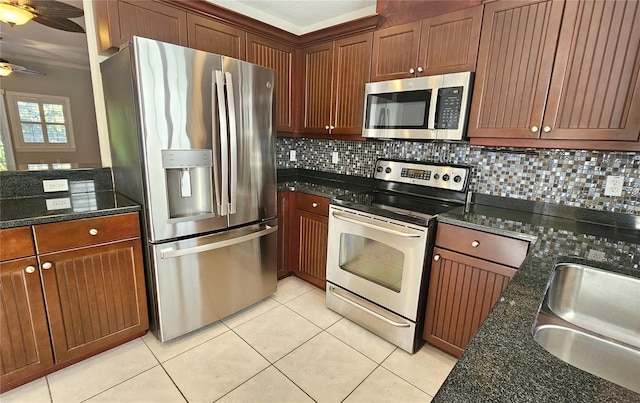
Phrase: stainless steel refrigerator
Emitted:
{"points": [[192, 139]]}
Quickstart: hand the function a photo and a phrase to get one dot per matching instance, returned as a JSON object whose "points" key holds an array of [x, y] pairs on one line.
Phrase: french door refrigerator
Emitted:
{"points": [[192, 138]]}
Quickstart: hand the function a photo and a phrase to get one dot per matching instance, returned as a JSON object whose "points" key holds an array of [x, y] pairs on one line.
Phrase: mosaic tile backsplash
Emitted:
{"points": [[567, 177]]}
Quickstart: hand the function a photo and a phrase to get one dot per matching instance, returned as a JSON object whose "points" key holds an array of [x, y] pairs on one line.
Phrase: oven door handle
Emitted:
{"points": [[375, 226], [367, 310]]}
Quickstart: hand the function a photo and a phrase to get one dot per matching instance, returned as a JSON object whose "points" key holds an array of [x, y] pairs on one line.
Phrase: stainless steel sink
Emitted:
{"points": [[590, 318]]}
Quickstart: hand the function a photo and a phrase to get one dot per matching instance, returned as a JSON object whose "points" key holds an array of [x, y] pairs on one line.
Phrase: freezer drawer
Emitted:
{"points": [[201, 280]]}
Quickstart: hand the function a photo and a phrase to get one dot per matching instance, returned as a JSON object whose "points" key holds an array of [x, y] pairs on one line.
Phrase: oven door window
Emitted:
{"points": [[398, 110], [372, 260]]}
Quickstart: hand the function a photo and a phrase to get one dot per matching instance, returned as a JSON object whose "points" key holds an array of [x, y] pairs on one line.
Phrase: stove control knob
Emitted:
{"points": [[457, 178], [436, 176], [445, 177], [388, 170], [379, 169]]}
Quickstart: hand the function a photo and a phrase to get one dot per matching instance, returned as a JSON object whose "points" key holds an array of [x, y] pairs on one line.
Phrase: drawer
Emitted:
{"points": [[89, 231], [16, 243], [312, 204], [492, 247]]}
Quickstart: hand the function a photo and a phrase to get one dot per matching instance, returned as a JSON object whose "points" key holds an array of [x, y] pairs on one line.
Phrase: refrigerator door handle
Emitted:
{"points": [[171, 253], [223, 200], [233, 135]]}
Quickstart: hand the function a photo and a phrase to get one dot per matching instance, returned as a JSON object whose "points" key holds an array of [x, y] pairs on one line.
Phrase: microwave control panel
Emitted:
{"points": [[448, 108], [450, 177]]}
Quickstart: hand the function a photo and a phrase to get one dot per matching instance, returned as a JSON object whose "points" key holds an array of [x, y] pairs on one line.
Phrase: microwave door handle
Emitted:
{"points": [[233, 136], [223, 201], [431, 123]]}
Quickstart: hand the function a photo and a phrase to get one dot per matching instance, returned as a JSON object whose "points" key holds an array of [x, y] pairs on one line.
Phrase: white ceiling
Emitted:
{"points": [[38, 43]]}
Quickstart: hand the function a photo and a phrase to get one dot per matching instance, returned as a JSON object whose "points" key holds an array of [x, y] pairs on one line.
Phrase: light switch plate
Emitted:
{"points": [[292, 155], [55, 185], [596, 255], [334, 157], [613, 187], [61, 203]]}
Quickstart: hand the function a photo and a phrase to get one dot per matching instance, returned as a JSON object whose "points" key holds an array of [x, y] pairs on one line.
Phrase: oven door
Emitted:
{"points": [[377, 258]]}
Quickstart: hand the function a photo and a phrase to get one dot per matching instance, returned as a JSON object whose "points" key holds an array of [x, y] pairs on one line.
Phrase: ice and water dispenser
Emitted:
{"points": [[189, 189]]}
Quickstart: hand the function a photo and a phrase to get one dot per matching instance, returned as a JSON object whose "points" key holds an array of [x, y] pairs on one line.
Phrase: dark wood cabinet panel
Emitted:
{"points": [[595, 86], [313, 230], [462, 291], [215, 37], [395, 51], [16, 243], [515, 61], [449, 42], [318, 76], [119, 20], [279, 57], [283, 233], [25, 349], [352, 65], [95, 296]]}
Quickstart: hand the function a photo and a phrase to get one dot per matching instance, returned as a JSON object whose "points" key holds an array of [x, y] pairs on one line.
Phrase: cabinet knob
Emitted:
{"points": [[436, 257], [30, 269], [326, 127], [546, 129], [412, 71], [93, 231], [331, 127], [475, 244], [47, 265], [420, 69], [534, 129], [314, 204]]}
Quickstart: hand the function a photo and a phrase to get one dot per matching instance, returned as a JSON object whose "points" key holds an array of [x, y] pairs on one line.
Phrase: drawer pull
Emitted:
{"points": [[93, 231], [314, 204], [475, 244], [47, 265], [436, 257], [30, 269]]}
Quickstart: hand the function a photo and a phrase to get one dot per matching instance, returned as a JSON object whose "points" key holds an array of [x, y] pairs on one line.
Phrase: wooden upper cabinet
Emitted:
{"points": [[215, 37], [395, 52], [279, 57], [318, 76], [119, 20], [449, 42], [515, 61], [595, 86], [351, 67]]}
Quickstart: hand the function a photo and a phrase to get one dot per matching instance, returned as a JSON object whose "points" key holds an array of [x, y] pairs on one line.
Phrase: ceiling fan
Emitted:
{"points": [[7, 68], [51, 13]]}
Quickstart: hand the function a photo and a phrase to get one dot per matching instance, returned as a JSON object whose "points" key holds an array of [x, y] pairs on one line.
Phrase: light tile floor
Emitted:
{"points": [[287, 348]]}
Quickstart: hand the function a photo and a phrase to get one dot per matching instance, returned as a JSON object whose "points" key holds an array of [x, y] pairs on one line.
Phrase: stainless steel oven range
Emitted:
{"points": [[380, 246]]}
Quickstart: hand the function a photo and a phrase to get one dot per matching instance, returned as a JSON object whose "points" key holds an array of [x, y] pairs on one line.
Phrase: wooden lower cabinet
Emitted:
{"points": [[311, 219], [283, 234]]}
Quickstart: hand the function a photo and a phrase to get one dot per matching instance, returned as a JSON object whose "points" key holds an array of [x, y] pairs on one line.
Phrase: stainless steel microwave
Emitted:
{"points": [[421, 108]]}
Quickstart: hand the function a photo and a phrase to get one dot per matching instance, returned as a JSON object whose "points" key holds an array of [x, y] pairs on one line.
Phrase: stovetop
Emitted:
{"points": [[413, 192]]}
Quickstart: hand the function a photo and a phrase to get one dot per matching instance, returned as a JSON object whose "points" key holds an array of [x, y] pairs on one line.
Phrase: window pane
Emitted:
{"points": [[53, 113], [32, 133], [29, 111], [372, 260], [57, 133]]}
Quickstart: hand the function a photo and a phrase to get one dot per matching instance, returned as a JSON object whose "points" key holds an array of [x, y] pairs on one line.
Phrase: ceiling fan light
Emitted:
{"points": [[13, 15], [5, 71]]}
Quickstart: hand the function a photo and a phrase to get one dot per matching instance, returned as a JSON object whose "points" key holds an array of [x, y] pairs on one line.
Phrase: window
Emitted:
{"points": [[6, 151], [40, 122]]}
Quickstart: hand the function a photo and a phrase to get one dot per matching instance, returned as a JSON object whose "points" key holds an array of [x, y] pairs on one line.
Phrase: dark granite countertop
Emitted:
{"points": [[503, 363], [320, 183], [21, 211]]}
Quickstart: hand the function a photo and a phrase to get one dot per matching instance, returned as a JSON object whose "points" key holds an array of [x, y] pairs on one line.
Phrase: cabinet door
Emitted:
{"points": [[595, 87], [215, 37], [449, 42], [515, 61], [279, 57], [395, 51], [352, 64], [149, 19], [462, 291], [283, 234], [25, 347], [95, 297], [318, 76], [313, 231]]}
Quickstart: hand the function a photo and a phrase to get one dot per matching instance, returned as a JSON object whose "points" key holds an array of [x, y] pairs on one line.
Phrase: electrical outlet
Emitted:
{"points": [[613, 187], [292, 155], [334, 157], [61, 203], [55, 185], [596, 255]]}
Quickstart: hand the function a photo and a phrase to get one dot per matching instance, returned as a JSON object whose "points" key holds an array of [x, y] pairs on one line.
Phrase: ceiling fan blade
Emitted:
{"points": [[19, 69], [54, 9], [59, 23]]}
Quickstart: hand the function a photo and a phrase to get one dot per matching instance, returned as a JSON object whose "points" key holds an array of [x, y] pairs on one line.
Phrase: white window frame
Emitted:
{"points": [[5, 132], [14, 117]]}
